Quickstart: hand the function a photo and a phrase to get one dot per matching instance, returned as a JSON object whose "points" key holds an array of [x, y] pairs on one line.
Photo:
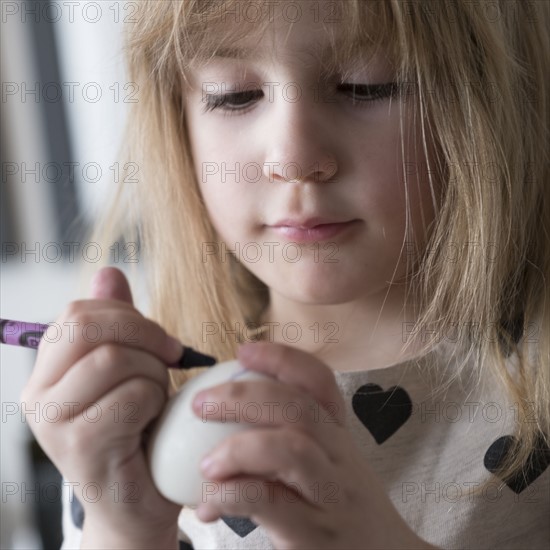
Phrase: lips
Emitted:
{"points": [[311, 229], [308, 223]]}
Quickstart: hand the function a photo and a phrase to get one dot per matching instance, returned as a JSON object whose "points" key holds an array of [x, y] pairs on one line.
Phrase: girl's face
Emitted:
{"points": [[276, 142]]}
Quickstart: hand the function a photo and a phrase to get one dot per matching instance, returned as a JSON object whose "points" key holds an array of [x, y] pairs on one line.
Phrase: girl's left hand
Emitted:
{"points": [[298, 474]]}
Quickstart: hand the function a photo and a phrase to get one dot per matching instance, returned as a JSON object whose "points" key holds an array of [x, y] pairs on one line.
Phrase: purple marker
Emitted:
{"points": [[28, 335]]}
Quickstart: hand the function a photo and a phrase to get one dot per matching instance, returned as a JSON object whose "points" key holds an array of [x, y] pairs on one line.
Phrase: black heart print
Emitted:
{"points": [[77, 512], [382, 412], [538, 461], [241, 526]]}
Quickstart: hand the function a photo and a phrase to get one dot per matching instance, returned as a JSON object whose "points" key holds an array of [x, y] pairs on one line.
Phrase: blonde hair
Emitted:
{"points": [[478, 72]]}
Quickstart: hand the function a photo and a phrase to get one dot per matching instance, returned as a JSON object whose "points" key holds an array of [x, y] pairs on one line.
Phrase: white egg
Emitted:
{"points": [[181, 439]]}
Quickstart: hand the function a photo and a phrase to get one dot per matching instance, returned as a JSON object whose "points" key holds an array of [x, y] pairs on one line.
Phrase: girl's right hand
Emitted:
{"points": [[106, 380]]}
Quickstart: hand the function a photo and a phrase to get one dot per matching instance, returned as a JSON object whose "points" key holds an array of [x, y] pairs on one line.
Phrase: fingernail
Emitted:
{"points": [[198, 400], [209, 464], [247, 351], [174, 346], [95, 283]]}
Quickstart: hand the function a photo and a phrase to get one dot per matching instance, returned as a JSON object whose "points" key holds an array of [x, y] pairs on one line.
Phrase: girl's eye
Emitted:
{"points": [[368, 93], [235, 101], [360, 94]]}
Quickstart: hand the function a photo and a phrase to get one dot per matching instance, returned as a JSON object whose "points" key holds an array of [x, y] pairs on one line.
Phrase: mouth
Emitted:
{"points": [[311, 230]]}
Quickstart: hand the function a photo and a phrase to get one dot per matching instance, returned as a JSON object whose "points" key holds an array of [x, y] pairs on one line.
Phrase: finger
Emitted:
{"points": [[269, 503], [126, 411], [85, 326], [109, 283], [104, 368], [109, 427], [270, 403], [293, 459], [295, 367]]}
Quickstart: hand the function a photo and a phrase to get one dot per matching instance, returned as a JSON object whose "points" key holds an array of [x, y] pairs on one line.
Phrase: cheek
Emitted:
{"points": [[231, 207], [220, 204], [396, 178], [217, 184], [379, 186]]}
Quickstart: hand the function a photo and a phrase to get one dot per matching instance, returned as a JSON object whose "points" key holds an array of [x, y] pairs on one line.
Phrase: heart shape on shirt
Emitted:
{"points": [[537, 462], [77, 512], [382, 412], [240, 526]]}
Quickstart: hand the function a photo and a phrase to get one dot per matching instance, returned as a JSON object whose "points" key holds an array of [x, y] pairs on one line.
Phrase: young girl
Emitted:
{"points": [[357, 192]]}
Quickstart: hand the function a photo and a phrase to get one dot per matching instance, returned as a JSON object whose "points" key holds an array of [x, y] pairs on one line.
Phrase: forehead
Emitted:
{"points": [[317, 48], [321, 47], [317, 35]]}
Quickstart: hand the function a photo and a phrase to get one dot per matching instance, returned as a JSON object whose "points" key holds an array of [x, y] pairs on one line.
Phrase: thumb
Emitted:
{"points": [[109, 283]]}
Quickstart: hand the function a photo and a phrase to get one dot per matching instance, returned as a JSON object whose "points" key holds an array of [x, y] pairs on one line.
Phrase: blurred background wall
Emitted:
{"points": [[64, 102]]}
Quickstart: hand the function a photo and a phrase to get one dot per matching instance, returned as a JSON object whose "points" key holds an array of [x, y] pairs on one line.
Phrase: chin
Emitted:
{"points": [[319, 291]]}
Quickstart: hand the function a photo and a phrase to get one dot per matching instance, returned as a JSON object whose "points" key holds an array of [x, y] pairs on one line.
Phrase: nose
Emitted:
{"points": [[297, 146]]}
